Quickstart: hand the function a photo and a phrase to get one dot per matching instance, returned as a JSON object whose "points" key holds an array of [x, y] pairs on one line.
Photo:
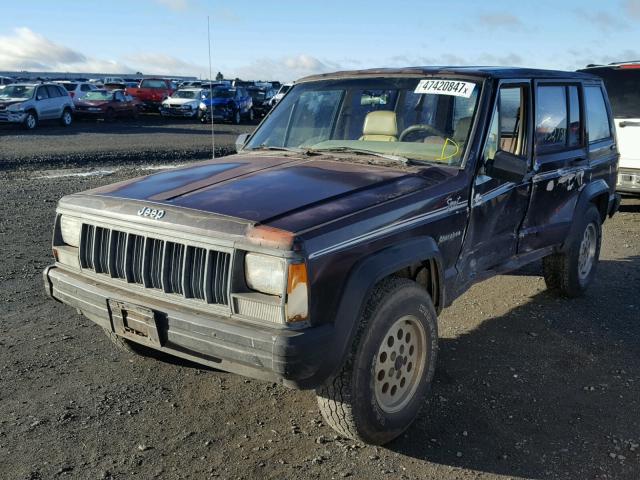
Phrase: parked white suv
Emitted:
{"points": [[622, 81], [78, 90], [28, 103]]}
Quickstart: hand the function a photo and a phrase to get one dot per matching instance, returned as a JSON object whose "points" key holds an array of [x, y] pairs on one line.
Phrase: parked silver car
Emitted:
{"points": [[29, 103]]}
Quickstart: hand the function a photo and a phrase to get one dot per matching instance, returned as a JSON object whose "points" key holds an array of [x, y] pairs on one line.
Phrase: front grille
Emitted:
{"points": [[176, 268]]}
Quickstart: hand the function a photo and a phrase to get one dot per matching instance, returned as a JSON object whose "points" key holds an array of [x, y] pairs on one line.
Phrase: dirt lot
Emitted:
{"points": [[527, 386], [88, 142]]}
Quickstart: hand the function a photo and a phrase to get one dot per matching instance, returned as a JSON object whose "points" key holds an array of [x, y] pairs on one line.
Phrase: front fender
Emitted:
{"points": [[361, 281]]}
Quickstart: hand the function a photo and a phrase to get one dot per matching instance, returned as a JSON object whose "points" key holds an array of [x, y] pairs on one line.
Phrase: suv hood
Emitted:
{"points": [[11, 101], [283, 191], [180, 101]]}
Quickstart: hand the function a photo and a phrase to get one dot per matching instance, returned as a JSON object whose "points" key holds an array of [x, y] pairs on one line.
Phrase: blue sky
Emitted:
{"points": [[288, 39]]}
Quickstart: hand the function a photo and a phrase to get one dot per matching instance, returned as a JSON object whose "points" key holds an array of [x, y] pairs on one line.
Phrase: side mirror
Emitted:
{"points": [[241, 141], [507, 166]]}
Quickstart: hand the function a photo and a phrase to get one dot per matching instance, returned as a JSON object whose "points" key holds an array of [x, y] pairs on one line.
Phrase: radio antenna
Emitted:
{"points": [[213, 134]]}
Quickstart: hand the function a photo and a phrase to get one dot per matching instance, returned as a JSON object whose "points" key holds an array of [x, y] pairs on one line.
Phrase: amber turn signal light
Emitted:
{"points": [[297, 287]]}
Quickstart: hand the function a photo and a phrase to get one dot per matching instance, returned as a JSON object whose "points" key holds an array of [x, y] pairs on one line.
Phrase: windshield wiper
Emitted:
{"points": [[361, 151], [264, 147]]}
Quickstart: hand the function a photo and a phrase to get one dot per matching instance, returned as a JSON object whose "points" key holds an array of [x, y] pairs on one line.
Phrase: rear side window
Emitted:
{"points": [[62, 91], [623, 88], [85, 87], [599, 128], [551, 117]]}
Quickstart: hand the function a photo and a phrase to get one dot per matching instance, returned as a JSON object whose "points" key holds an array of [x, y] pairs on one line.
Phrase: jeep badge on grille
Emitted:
{"points": [[151, 212]]}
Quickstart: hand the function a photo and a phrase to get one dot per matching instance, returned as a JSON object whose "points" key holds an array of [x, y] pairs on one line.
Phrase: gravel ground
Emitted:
{"points": [[527, 385], [150, 138]]}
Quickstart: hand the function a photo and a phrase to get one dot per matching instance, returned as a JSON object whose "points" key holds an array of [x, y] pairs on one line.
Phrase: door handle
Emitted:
{"points": [[627, 123]]}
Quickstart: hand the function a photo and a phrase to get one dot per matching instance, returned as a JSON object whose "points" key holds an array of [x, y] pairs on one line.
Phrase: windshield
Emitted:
{"points": [[185, 94], [623, 87], [284, 89], [223, 93], [418, 119], [17, 91], [153, 84], [98, 95]]}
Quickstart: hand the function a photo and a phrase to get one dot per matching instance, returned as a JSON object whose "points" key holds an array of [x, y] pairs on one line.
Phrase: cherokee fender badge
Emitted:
{"points": [[154, 213]]}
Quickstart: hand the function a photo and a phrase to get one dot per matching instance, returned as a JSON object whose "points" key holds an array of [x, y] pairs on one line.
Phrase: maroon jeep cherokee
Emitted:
{"points": [[321, 254]]}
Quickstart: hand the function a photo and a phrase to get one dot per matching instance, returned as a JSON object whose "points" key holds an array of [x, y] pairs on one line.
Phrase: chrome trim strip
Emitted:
{"points": [[491, 194], [409, 222], [561, 172]]}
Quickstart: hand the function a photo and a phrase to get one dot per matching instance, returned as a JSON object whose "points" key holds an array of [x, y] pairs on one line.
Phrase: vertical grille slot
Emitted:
{"points": [[195, 272], [173, 264], [217, 277], [153, 258], [118, 256], [101, 241], [135, 255], [86, 246]]}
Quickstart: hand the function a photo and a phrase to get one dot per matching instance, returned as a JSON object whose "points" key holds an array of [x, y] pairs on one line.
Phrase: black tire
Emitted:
{"points": [[237, 118], [31, 120], [67, 118], [563, 272], [250, 115], [349, 401]]}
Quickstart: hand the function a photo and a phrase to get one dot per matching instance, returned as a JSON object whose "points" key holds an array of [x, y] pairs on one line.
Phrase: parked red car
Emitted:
{"points": [[107, 104], [152, 91]]}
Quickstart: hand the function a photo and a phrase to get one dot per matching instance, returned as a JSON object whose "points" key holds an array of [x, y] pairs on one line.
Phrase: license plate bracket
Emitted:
{"points": [[135, 322]]}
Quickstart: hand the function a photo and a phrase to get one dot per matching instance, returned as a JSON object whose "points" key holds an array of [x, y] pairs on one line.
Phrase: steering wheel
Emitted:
{"points": [[421, 128]]}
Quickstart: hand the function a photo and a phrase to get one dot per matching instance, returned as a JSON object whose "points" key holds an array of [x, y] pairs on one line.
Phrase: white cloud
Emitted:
{"points": [[500, 20], [161, 64], [633, 8], [27, 50], [175, 5], [603, 20], [285, 68]]}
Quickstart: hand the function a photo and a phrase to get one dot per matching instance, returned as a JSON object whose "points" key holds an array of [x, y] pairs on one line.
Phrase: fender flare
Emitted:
{"points": [[591, 191], [361, 281]]}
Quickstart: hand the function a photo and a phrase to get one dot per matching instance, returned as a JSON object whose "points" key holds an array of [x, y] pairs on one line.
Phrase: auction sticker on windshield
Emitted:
{"points": [[446, 87]]}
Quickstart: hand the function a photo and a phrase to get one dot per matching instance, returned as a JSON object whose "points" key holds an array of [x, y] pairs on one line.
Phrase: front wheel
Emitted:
{"points": [[30, 121], [67, 118], [572, 271], [381, 387]]}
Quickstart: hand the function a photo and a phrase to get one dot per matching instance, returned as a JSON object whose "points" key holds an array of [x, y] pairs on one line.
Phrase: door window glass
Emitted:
{"points": [[42, 93], [551, 117], [599, 128], [53, 91], [508, 127]]}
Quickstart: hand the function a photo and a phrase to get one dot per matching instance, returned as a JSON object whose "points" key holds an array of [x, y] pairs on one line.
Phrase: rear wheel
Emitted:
{"points": [[67, 118], [381, 387], [571, 272], [31, 120]]}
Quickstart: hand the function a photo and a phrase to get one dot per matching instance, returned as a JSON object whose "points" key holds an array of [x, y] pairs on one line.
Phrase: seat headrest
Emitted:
{"points": [[381, 122]]}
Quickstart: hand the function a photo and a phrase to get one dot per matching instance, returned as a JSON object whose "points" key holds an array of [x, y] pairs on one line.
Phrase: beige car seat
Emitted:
{"points": [[380, 126]]}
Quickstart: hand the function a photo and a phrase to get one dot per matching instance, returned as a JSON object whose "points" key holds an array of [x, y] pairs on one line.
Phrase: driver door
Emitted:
{"points": [[498, 206]]}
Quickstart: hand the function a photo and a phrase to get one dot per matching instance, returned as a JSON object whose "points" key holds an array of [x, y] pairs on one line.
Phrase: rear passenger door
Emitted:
{"points": [[560, 162]]}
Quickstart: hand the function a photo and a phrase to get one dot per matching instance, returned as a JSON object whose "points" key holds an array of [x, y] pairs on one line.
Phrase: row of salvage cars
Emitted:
{"points": [[31, 102]]}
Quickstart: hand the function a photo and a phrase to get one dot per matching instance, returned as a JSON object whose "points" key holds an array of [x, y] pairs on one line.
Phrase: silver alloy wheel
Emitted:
{"points": [[587, 253], [400, 364], [251, 114], [66, 117], [31, 121]]}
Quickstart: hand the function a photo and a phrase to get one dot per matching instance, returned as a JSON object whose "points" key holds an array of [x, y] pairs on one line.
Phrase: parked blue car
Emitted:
{"points": [[227, 104]]}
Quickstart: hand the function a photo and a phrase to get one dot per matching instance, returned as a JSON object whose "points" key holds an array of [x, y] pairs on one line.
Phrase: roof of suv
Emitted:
{"points": [[488, 72]]}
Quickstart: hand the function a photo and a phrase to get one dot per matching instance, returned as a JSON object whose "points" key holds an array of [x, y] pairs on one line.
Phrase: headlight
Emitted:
{"points": [[70, 230], [16, 107], [264, 273], [203, 106]]}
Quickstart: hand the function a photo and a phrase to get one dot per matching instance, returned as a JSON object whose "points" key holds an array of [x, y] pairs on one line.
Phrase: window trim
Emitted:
{"points": [[529, 134]]}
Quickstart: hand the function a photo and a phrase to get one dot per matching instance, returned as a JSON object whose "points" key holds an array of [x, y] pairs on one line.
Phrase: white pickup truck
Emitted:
{"points": [[622, 81]]}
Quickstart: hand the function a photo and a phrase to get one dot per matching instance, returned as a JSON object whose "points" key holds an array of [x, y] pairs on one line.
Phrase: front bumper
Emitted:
{"points": [[628, 180], [178, 112], [290, 357], [12, 117]]}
